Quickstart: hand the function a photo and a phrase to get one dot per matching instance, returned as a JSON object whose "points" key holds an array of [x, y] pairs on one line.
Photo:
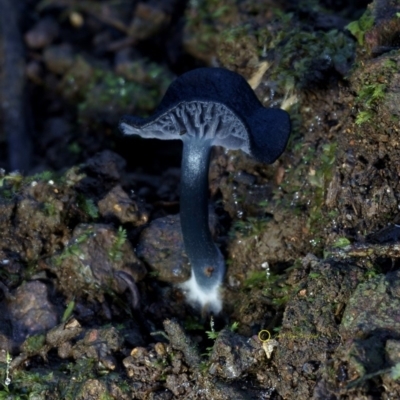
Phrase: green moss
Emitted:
{"points": [[372, 91], [270, 285], [250, 226], [68, 311], [280, 302], [255, 279], [106, 396], [204, 10], [44, 176], [341, 242], [28, 385], [303, 191], [360, 27], [192, 323], [101, 94], [372, 273], [115, 252], [206, 20], [234, 326], [390, 65], [363, 117], [73, 249], [87, 206], [50, 209], [305, 56], [15, 182], [67, 381], [12, 183], [107, 90], [33, 344]]}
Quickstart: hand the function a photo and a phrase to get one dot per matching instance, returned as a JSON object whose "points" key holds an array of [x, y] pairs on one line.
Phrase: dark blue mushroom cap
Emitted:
{"points": [[267, 129]]}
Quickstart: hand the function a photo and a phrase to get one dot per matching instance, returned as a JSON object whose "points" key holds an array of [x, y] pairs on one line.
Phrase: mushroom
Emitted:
{"points": [[209, 107]]}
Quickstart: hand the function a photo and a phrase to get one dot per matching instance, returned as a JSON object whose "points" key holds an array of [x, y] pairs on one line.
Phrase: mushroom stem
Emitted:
{"points": [[206, 260]]}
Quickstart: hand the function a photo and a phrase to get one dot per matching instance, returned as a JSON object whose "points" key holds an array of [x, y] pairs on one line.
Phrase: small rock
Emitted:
{"points": [[161, 395], [392, 349], [98, 259], [161, 246], [117, 205], [64, 350], [42, 34], [233, 355], [31, 311], [107, 164], [59, 59], [382, 36], [373, 307], [160, 349], [76, 19], [148, 21], [99, 344], [178, 384], [92, 389], [63, 333]]}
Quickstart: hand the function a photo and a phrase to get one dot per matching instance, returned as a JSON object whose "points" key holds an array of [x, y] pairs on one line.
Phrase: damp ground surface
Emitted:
{"points": [[91, 252]]}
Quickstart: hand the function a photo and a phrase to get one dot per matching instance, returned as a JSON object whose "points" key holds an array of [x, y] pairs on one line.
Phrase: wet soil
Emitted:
{"points": [[91, 253]]}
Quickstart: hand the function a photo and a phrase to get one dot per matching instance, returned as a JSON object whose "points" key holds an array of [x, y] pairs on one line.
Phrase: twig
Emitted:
{"points": [[12, 87]]}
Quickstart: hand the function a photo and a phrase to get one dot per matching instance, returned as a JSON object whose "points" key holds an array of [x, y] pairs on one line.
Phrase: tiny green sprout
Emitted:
{"points": [[371, 273], [14, 179], [87, 206], [7, 381], [341, 242], [360, 27], [220, 11], [395, 372], [363, 116], [115, 252], [212, 334], [50, 209], [74, 249], [263, 203], [203, 366], [370, 94], [234, 326], [68, 311]]}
